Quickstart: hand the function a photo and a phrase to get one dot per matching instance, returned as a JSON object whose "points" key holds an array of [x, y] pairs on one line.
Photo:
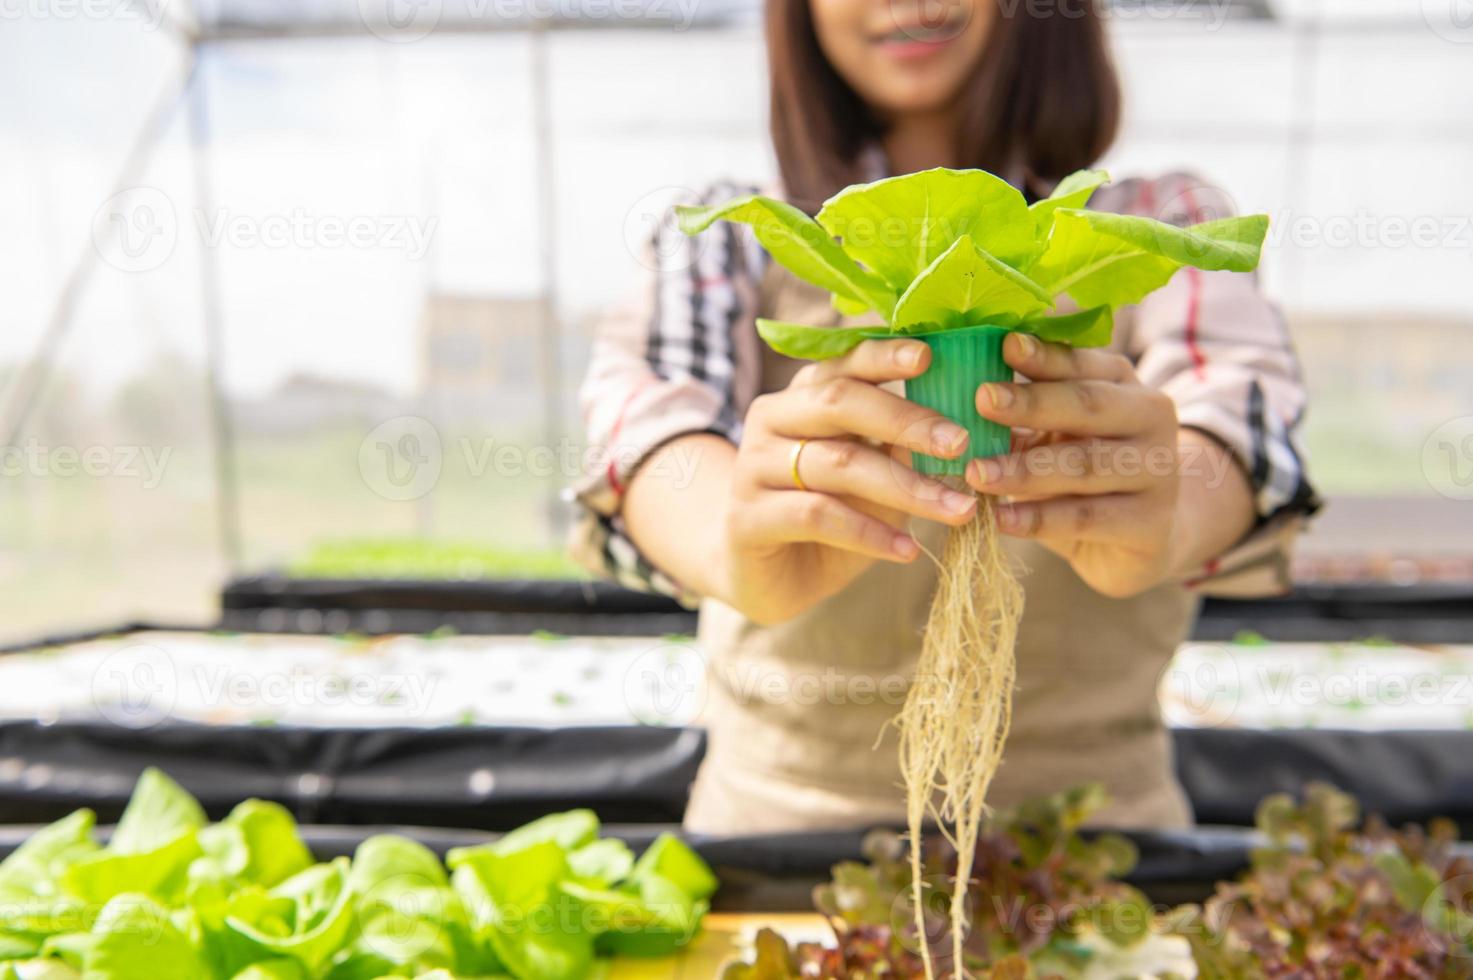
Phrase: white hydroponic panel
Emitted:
{"points": [[142, 679], [1374, 687]]}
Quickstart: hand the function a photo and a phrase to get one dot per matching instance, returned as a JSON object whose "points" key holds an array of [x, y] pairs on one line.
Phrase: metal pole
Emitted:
{"points": [[20, 398], [550, 328], [227, 495]]}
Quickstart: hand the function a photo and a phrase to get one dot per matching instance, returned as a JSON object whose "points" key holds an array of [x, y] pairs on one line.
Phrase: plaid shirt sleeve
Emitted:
{"points": [[680, 359], [1222, 351]]}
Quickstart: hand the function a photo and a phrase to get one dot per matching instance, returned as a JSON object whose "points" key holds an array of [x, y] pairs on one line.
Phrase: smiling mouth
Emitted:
{"points": [[923, 33]]}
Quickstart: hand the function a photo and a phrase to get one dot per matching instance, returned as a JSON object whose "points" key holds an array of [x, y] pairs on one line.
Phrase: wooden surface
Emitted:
{"points": [[718, 943]]}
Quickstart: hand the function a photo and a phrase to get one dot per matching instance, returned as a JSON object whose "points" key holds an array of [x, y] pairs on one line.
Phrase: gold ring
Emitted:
{"points": [[795, 458]]}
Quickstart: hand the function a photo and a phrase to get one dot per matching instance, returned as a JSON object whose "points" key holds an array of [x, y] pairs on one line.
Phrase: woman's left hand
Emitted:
{"points": [[1093, 474]]}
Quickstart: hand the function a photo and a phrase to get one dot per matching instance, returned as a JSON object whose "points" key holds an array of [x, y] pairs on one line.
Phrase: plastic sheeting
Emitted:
{"points": [[1402, 775], [474, 777]]}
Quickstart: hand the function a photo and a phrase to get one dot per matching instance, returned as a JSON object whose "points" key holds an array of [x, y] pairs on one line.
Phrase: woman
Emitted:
{"points": [[806, 563]]}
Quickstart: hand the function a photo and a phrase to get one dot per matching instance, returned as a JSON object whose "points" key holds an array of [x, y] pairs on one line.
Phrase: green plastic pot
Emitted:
{"points": [[962, 359]]}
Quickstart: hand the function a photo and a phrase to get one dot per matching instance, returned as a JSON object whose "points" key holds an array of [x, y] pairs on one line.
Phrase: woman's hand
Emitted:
{"points": [[786, 548], [1094, 473]]}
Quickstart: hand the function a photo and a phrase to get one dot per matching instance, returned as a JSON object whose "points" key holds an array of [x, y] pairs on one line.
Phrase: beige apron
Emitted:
{"points": [[798, 712]]}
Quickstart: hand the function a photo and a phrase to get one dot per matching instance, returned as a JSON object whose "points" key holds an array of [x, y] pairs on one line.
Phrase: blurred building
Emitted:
{"points": [[480, 357]]}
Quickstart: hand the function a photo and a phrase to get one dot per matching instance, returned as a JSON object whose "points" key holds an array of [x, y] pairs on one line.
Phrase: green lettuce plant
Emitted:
{"points": [[174, 897], [959, 259], [948, 249]]}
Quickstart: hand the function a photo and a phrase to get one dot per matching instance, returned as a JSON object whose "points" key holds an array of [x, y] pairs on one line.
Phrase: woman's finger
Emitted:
{"points": [[875, 361], [799, 517], [1091, 466], [1043, 361], [846, 468], [845, 406], [1113, 518], [1088, 408]]}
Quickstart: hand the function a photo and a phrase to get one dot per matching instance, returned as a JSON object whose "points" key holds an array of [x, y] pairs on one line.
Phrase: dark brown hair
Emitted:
{"points": [[1044, 101]]}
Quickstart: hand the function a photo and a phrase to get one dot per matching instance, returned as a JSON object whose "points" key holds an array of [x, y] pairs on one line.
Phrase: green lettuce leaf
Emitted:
{"points": [[799, 243], [964, 287], [606, 861], [273, 970], [151, 848], [136, 938], [47, 853], [161, 873], [811, 343], [257, 843], [1073, 192], [534, 927], [389, 862], [1087, 328], [159, 812], [1116, 260], [308, 917], [900, 225], [673, 860]]}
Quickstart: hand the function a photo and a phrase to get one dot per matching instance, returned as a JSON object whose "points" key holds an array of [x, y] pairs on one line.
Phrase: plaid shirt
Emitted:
{"points": [[685, 359]]}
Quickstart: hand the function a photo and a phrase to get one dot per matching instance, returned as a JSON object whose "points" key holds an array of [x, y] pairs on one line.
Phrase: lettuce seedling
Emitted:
{"points": [[948, 249], [173, 896]]}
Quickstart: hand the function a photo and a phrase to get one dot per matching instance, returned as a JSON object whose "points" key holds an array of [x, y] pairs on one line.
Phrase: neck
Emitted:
{"points": [[921, 141]]}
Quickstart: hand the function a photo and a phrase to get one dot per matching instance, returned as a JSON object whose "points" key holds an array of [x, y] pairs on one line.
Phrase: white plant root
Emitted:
{"points": [[957, 713]]}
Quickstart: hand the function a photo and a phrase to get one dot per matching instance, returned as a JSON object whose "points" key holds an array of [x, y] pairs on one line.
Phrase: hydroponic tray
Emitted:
{"points": [[283, 604], [487, 732], [481, 732], [1422, 613]]}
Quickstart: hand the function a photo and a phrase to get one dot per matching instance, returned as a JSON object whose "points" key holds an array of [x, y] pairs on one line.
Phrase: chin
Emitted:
{"points": [[909, 97]]}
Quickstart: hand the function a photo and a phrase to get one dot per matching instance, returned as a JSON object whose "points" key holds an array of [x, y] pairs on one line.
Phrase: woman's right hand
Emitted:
{"points": [[785, 549]]}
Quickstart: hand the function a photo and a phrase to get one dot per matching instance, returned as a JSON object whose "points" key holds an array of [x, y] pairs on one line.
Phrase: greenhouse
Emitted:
{"points": [[839, 489]]}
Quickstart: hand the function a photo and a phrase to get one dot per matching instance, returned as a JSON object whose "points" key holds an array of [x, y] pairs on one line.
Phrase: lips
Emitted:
{"points": [[922, 33]]}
